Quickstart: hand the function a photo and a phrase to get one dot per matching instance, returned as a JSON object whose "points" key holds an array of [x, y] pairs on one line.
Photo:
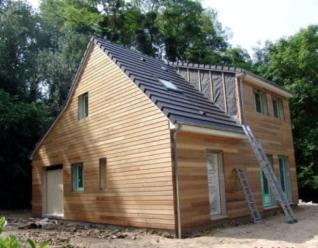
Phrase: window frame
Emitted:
{"points": [[102, 173], [264, 182], [82, 106], [263, 102], [280, 107], [170, 86], [75, 177], [286, 177]]}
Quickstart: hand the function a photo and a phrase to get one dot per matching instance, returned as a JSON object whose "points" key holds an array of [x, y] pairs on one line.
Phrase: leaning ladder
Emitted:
{"points": [[270, 175], [249, 196]]}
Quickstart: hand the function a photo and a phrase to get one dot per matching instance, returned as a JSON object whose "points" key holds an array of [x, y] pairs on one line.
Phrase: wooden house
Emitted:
{"points": [[145, 143]]}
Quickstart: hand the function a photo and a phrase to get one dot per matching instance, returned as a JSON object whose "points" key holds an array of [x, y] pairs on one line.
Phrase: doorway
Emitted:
{"points": [[54, 192], [215, 184]]}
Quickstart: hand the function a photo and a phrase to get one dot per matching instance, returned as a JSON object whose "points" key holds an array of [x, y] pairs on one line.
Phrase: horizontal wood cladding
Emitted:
{"points": [[124, 126], [193, 181], [192, 163], [274, 134]]}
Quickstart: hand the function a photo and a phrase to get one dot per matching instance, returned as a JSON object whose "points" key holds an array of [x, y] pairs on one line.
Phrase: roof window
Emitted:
{"points": [[169, 85]]}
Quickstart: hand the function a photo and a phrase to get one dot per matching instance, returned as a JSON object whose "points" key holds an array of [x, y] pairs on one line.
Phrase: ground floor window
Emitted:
{"points": [[284, 176], [78, 177], [267, 196]]}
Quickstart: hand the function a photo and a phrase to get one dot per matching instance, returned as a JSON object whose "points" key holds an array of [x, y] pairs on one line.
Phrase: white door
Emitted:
{"points": [[214, 183], [54, 192]]}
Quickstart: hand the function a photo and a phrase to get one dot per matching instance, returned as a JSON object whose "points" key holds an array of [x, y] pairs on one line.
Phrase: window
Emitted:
{"points": [[278, 108], [77, 177], [267, 196], [284, 176], [83, 106], [169, 85], [102, 173], [260, 102]]}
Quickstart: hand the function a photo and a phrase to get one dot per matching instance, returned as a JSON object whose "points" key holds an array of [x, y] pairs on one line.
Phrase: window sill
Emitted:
{"points": [[218, 217], [270, 208]]}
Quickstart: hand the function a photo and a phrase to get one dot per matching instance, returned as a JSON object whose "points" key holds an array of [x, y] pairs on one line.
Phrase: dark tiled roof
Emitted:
{"points": [[186, 107]]}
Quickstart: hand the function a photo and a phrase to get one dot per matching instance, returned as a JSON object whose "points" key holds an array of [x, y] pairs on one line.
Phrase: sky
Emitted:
{"points": [[252, 22]]}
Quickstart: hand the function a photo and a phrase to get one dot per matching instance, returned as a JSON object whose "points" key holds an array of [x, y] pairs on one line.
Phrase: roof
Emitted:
{"points": [[185, 106], [228, 69]]}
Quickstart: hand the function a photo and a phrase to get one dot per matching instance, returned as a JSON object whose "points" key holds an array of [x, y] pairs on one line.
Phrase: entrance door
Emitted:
{"points": [[54, 192], [215, 179], [284, 176]]}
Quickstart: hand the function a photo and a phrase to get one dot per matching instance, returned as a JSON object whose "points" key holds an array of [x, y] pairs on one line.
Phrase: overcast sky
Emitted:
{"points": [[253, 21]]}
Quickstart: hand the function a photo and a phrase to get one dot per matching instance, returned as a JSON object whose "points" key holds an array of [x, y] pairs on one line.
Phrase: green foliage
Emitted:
{"points": [[21, 124], [12, 242], [293, 62], [2, 224], [191, 33]]}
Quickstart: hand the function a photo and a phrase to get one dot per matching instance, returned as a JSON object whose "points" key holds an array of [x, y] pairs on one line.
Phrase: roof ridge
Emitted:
{"points": [[207, 66], [100, 40]]}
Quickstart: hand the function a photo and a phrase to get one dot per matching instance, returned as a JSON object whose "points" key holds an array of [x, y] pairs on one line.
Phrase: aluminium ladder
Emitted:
{"points": [[273, 182], [249, 196]]}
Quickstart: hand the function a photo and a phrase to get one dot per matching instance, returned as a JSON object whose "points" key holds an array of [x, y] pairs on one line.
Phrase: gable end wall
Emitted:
{"points": [[131, 132]]}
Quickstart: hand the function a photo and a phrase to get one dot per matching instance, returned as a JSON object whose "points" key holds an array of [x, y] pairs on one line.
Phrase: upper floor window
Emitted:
{"points": [[260, 102], [83, 106], [278, 109], [77, 177]]}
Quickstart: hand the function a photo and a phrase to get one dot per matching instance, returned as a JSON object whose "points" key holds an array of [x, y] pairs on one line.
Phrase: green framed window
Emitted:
{"points": [[267, 196], [284, 176], [78, 177], [278, 108], [83, 106], [260, 102]]}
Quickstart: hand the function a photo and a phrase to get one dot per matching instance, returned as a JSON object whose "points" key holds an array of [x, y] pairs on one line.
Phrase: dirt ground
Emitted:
{"points": [[273, 233]]}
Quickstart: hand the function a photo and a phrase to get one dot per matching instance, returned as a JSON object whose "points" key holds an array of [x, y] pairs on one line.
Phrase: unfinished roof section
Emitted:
{"points": [[185, 70], [179, 100]]}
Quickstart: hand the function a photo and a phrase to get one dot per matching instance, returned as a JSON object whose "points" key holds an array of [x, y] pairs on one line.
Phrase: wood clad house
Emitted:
{"points": [[145, 143]]}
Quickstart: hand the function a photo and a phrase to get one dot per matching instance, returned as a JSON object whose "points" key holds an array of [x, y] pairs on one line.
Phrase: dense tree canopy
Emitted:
{"points": [[40, 51]]}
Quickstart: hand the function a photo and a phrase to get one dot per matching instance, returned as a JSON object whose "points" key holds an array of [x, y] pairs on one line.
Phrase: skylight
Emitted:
{"points": [[169, 85]]}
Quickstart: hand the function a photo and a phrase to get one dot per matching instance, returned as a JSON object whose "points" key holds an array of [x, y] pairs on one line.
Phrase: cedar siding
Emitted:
{"points": [[134, 123], [274, 134], [125, 127], [193, 180]]}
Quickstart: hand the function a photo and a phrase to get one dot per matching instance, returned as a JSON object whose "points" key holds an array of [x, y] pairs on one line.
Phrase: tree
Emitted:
{"points": [[22, 118], [19, 41], [293, 62], [191, 33], [21, 125]]}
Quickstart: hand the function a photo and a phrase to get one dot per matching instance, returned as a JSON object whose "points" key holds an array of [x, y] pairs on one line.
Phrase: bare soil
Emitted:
{"points": [[273, 233]]}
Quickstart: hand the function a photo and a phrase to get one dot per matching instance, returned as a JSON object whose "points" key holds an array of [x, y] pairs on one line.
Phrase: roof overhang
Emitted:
{"points": [[264, 84], [207, 131]]}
